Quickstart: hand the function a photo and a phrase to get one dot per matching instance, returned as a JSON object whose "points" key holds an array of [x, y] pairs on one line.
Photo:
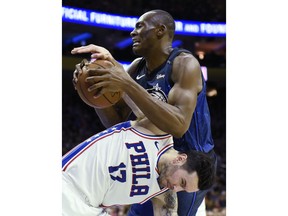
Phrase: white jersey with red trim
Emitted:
{"points": [[115, 167]]}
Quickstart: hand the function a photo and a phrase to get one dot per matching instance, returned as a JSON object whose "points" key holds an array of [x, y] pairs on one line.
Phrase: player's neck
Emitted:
{"points": [[158, 57]]}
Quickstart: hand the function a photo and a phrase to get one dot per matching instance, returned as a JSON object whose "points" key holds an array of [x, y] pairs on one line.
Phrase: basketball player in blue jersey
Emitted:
{"points": [[165, 85], [129, 164]]}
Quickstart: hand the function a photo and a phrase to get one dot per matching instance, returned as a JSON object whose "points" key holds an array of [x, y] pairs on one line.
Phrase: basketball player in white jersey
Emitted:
{"points": [[129, 163]]}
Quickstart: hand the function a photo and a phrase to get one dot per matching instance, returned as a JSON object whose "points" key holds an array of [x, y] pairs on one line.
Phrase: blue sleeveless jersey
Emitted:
{"points": [[158, 83]]}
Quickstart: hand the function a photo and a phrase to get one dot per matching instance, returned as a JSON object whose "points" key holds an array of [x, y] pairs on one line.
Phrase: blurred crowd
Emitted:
{"points": [[197, 10]]}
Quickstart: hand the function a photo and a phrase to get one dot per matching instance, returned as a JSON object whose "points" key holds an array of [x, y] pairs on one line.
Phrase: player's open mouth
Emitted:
{"points": [[135, 42]]}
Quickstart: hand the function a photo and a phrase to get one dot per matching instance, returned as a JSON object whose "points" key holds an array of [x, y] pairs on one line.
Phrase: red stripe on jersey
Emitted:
{"points": [[143, 201], [156, 194], [89, 145], [165, 148]]}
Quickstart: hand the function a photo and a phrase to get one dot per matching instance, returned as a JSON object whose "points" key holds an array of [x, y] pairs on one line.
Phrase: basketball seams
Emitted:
{"points": [[102, 101], [107, 99]]}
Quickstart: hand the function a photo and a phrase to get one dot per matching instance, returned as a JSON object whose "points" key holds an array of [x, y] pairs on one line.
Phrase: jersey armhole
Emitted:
{"points": [[170, 61], [139, 66]]}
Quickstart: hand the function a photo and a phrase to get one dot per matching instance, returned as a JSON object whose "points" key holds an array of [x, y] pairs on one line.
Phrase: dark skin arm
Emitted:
{"points": [[173, 117], [114, 114]]}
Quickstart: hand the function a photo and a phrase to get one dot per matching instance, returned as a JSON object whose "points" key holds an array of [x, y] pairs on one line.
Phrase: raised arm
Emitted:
{"points": [[173, 117]]}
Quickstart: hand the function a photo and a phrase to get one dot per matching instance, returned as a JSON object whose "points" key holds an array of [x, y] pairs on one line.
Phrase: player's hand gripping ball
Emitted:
{"points": [[92, 98]]}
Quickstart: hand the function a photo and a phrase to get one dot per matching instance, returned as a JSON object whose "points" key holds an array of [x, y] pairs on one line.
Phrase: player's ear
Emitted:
{"points": [[180, 159], [161, 29]]}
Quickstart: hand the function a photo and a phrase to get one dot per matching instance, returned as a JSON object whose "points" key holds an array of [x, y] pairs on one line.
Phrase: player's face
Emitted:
{"points": [[177, 179], [144, 34]]}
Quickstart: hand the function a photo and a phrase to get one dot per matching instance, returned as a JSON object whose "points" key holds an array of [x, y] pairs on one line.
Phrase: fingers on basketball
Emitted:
{"points": [[93, 98]]}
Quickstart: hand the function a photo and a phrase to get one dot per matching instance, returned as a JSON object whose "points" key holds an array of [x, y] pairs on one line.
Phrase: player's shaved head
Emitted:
{"points": [[163, 17]]}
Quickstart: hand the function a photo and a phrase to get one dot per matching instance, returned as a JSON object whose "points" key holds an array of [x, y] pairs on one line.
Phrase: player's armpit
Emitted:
{"points": [[165, 204]]}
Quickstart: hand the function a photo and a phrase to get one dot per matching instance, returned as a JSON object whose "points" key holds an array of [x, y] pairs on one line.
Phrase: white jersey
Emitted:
{"points": [[115, 167]]}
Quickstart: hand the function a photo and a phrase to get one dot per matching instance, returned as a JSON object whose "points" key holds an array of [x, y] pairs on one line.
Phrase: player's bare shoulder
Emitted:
{"points": [[186, 68], [133, 66], [186, 61]]}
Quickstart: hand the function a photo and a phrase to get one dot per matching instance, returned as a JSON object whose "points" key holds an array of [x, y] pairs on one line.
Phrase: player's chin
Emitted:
{"points": [[136, 50]]}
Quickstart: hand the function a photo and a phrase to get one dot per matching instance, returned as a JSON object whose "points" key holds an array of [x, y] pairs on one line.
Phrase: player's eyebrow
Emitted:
{"points": [[138, 23]]}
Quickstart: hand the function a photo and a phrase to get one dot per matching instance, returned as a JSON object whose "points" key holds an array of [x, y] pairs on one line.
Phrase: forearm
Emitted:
{"points": [[108, 116], [114, 114], [166, 117]]}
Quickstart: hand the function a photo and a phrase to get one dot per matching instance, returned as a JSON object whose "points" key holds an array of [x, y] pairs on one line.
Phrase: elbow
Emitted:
{"points": [[179, 131], [106, 124], [180, 124], [178, 134]]}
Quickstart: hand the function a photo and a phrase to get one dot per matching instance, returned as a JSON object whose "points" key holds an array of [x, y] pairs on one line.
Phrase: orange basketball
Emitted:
{"points": [[101, 101]]}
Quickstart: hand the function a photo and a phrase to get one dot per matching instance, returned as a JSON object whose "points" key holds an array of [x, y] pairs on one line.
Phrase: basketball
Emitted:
{"points": [[100, 101]]}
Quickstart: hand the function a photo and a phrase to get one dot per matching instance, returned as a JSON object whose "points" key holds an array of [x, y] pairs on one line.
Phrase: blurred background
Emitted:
{"points": [[207, 43]]}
